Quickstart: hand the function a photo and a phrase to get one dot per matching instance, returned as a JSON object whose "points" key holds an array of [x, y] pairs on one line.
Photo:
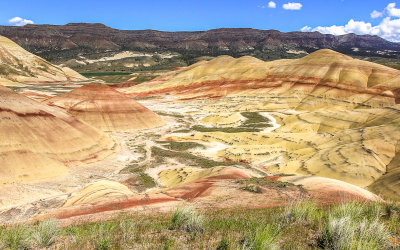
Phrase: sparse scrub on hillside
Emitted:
{"points": [[181, 146], [7, 70], [176, 115], [145, 181], [92, 74], [263, 182], [252, 188], [254, 123], [187, 158]]}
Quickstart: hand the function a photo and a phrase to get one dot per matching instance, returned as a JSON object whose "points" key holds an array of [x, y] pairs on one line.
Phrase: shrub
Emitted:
{"points": [[223, 244], [348, 233], [252, 188], [46, 233], [187, 219], [17, 237], [301, 212], [127, 228], [358, 210], [266, 238]]}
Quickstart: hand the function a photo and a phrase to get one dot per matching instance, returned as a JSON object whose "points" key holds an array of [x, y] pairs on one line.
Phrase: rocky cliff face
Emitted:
{"points": [[67, 41]]}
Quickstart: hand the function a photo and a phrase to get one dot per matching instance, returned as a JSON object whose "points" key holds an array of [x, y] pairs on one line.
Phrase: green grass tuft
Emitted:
{"points": [[187, 219], [46, 233]]}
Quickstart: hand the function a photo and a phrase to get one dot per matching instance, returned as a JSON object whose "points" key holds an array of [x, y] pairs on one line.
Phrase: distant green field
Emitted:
{"points": [[91, 74]]}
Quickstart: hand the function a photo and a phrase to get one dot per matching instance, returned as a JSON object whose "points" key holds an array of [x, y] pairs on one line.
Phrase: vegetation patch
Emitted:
{"points": [[176, 115], [187, 158], [144, 180], [187, 219], [255, 184], [181, 146], [254, 123], [92, 74], [231, 228]]}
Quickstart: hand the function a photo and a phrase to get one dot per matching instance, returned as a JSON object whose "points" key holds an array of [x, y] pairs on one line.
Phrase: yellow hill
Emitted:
{"points": [[324, 73], [18, 65]]}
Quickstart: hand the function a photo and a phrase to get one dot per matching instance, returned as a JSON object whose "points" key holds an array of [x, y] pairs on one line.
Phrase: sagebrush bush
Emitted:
{"points": [[358, 210], [350, 233], [46, 233], [301, 212], [17, 237], [252, 188], [266, 238], [187, 219]]}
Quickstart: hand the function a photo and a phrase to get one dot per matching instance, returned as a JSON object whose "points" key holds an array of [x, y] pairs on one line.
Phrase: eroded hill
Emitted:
{"points": [[19, 65]]}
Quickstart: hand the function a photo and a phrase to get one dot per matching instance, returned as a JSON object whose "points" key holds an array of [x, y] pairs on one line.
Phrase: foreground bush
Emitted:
{"points": [[349, 233], [300, 212], [266, 238], [187, 219], [46, 233], [17, 237]]}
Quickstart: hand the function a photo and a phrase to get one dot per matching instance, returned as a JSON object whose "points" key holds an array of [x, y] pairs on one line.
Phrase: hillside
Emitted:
{"points": [[107, 109], [325, 114], [91, 47], [19, 65], [41, 142]]}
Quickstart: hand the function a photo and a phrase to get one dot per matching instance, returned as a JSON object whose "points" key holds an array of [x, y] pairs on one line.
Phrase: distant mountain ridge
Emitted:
{"points": [[55, 42]]}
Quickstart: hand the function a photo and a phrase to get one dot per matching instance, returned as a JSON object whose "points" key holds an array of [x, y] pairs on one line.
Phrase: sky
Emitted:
{"points": [[374, 17]]}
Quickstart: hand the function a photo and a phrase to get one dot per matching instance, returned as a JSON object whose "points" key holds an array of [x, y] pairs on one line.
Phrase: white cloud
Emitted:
{"points": [[306, 29], [292, 6], [272, 5], [388, 28], [376, 14], [18, 21], [392, 10]]}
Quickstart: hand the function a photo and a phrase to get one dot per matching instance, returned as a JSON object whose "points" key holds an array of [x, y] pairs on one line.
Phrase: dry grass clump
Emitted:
{"points": [[187, 219], [17, 237], [46, 233], [349, 233], [266, 238], [301, 212]]}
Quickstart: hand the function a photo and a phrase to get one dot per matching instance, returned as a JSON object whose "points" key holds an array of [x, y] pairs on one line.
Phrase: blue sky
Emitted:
{"points": [[175, 15]]}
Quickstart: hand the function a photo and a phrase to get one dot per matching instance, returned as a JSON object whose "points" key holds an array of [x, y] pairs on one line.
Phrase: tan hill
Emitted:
{"points": [[107, 109], [323, 73], [18, 65], [328, 115], [38, 141]]}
